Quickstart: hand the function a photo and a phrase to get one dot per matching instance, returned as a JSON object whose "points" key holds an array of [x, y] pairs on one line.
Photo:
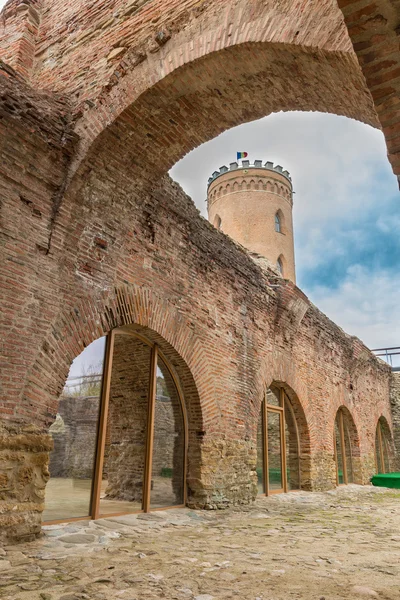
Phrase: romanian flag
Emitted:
{"points": [[240, 155]]}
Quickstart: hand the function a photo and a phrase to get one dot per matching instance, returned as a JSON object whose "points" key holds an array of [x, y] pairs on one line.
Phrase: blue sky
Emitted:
{"points": [[346, 211]]}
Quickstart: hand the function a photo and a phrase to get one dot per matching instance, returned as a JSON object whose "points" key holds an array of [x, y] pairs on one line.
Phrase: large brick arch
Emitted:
{"points": [[164, 89], [373, 27], [350, 418], [159, 113], [279, 369], [89, 319]]}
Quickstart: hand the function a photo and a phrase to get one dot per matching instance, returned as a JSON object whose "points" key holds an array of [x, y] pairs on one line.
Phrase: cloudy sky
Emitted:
{"points": [[346, 212]]}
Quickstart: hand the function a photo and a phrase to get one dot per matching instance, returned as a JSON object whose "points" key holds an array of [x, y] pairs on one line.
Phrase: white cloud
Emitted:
{"points": [[325, 154], [365, 304]]}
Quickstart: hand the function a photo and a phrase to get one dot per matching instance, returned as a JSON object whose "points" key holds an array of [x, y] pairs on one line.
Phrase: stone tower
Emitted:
{"points": [[253, 204]]}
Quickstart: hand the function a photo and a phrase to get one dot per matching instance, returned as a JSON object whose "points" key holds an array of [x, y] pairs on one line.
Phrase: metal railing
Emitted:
{"points": [[388, 354]]}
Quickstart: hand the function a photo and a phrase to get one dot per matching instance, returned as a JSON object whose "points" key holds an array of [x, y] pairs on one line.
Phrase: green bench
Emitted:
{"points": [[388, 480]]}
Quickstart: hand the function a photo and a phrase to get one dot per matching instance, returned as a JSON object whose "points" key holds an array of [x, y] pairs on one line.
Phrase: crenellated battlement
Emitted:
{"points": [[246, 165], [249, 180]]}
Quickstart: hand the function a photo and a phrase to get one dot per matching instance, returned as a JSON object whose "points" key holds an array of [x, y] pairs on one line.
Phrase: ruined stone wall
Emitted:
{"points": [[96, 35], [74, 435], [127, 421], [24, 456], [373, 26], [109, 54], [20, 22], [165, 426], [127, 428]]}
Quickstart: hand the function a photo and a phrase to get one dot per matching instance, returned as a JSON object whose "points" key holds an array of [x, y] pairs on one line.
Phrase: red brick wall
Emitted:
{"points": [[373, 27], [107, 54], [194, 287], [19, 27]]}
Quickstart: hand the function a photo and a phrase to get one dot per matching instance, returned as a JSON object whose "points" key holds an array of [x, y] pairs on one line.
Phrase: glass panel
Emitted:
{"points": [[260, 452], [68, 492], [272, 397], [386, 461], [167, 477], [126, 432], [274, 451], [339, 456], [378, 450], [385, 438], [348, 452], [292, 448]]}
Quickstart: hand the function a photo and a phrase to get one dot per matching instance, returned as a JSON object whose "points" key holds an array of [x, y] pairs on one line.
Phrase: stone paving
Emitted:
{"points": [[343, 544]]}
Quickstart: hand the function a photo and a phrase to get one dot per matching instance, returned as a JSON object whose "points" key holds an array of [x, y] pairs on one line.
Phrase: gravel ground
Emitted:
{"points": [[323, 546]]}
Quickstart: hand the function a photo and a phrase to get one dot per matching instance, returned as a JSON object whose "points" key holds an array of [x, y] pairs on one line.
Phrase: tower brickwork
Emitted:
{"points": [[252, 203]]}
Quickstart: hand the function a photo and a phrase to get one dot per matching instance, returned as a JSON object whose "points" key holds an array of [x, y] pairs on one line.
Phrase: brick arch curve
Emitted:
{"points": [[382, 419], [278, 371], [89, 319], [316, 69], [355, 444], [383, 422], [315, 24], [279, 368], [353, 429], [334, 406], [179, 109]]}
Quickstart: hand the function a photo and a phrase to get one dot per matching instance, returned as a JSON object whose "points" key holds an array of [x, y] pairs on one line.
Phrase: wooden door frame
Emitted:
{"points": [[94, 512]]}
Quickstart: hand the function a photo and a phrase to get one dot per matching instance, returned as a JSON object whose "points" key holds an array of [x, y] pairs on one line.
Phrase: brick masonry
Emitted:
{"points": [[96, 236]]}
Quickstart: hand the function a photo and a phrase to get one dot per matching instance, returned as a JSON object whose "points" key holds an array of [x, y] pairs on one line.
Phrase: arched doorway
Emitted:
{"points": [[278, 444], [120, 437], [383, 443], [344, 446]]}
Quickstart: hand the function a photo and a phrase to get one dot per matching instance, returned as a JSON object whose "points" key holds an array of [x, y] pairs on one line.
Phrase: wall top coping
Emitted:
{"points": [[246, 166]]}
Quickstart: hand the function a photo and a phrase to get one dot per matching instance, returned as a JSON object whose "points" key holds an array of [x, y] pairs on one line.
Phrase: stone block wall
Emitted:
{"points": [[24, 455], [127, 420], [74, 434]]}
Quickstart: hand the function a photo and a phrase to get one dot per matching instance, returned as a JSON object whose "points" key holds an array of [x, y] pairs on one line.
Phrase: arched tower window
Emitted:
{"points": [[217, 222], [279, 265], [278, 226]]}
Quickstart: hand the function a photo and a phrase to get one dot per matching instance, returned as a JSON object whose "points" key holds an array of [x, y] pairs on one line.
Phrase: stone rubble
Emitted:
{"points": [[296, 546]]}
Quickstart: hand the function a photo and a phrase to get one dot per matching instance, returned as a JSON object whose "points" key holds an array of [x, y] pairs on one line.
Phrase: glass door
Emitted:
{"points": [[275, 455], [278, 445], [121, 434], [343, 449]]}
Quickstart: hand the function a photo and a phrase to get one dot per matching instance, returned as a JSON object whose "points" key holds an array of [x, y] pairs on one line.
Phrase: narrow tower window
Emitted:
{"points": [[279, 266], [217, 222], [278, 223]]}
